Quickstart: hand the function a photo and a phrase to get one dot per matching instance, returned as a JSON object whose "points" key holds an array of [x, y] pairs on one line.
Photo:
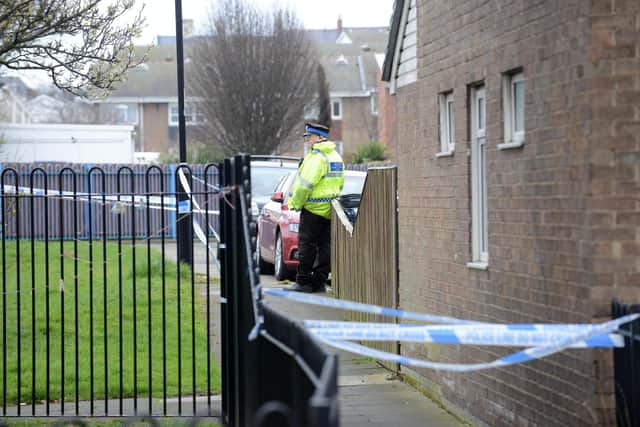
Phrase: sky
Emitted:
{"points": [[322, 14]]}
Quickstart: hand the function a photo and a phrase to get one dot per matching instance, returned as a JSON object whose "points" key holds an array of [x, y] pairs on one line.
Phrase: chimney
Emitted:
{"points": [[339, 24], [187, 28]]}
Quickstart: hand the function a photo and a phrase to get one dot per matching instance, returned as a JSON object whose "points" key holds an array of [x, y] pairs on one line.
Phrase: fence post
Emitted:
{"points": [[240, 359]]}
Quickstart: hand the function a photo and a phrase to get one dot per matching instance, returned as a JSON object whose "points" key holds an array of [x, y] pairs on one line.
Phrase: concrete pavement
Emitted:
{"points": [[370, 395]]}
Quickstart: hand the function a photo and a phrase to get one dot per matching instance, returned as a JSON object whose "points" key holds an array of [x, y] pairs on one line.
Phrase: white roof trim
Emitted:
{"points": [[64, 127], [137, 100], [345, 94], [343, 38], [399, 39]]}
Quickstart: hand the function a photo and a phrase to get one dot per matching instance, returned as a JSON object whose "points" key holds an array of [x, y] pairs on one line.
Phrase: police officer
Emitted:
{"points": [[320, 179]]}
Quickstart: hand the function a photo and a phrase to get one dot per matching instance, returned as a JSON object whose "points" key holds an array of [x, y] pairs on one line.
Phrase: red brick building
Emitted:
{"points": [[518, 133]]}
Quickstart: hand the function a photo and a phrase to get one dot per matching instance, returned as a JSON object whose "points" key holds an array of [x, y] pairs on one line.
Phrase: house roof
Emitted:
{"points": [[351, 69], [396, 21]]}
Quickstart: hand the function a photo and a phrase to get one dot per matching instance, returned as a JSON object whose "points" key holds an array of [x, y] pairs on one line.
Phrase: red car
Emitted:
{"points": [[278, 226]]}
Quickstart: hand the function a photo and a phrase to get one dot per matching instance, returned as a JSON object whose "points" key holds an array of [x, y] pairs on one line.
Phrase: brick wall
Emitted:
{"points": [[563, 209], [613, 203], [156, 127], [385, 117]]}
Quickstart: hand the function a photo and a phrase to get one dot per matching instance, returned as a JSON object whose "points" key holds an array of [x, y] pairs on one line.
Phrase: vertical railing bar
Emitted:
{"points": [[164, 298], [149, 271], [120, 290], [33, 295], [4, 295], [19, 329], [89, 228], [47, 302], [207, 208], [62, 289], [105, 301], [75, 284], [135, 305], [193, 300], [179, 291]]}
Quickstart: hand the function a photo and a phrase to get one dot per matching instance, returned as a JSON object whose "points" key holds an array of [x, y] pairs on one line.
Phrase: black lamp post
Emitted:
{"points": [[185, 228]]}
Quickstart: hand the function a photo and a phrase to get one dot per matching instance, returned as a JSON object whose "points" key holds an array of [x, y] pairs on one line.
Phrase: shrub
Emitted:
{"points": [[367, 153]]}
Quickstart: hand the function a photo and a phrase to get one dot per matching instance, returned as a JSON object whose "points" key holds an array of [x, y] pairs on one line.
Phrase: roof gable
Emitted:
{"points": [[400, 67]]}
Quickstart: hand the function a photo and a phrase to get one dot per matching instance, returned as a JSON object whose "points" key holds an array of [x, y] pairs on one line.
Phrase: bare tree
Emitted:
{"points": [[253, 75], [324, 100], [81, 44]]}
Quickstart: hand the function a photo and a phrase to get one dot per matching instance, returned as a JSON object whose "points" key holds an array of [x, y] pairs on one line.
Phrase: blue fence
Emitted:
{"points": [[81, 200]]}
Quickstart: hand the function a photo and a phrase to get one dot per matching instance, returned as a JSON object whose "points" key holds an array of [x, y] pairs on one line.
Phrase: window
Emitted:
{"points": [[126, 114], [122, 113], [374, 104], [447, 124], [336, 109], [192, 115], [513, 104], [479, 211]]}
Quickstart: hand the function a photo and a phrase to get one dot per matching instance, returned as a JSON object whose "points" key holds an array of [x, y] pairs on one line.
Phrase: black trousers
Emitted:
{"points": [[314, 249]]}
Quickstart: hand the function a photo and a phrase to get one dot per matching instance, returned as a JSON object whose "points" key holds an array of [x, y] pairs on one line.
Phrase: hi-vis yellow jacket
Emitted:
{"points": [[320, 179]]}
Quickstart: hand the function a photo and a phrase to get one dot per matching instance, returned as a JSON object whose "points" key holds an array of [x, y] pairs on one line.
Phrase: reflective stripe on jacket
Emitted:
{"points": [[319, 180]]}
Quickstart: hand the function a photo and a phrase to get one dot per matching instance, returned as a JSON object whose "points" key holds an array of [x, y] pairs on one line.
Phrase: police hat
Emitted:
{"points": [[316, 128]]}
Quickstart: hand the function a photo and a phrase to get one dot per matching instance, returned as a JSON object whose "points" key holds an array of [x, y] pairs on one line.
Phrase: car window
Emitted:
{"points": [[265, 179], [353, 184], [286, 186], [281, 184]]}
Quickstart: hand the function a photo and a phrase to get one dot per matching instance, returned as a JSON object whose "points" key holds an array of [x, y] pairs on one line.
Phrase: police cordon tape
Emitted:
{"points": [[364, 308], [543, 339], [489, 334], [120, 202]]}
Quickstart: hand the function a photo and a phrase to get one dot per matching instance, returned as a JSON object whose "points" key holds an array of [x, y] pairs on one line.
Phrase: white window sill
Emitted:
{"points": [[478, 265], [444, 154], [510, 145]]}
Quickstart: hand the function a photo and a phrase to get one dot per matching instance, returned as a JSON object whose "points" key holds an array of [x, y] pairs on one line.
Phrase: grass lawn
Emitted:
{"points": [[62, 296]]}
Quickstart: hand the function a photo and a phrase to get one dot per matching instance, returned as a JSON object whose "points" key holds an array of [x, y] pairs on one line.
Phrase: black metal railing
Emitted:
{"points": [[277, 374], [95, 320], [627, 368]]}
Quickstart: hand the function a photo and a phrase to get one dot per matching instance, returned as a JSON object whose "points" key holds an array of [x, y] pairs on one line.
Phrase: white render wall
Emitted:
{"points": [[66, 143]]}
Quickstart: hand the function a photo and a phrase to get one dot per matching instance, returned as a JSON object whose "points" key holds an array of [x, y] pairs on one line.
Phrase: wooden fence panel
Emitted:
{"points": [[364, 260]]}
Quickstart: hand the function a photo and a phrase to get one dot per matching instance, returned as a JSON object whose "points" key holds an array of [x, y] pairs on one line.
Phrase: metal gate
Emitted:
{"points": [[274, 373], [96, 319]]}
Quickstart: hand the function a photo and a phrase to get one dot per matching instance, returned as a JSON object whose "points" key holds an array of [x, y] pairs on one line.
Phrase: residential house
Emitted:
{"points": [[517, 126], [148, 100], [351, 58]]}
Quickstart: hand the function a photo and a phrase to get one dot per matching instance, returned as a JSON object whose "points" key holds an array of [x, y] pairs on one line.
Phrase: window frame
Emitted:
{"points": [[446, 107], [339, 115], [190, 110], [479, 194], [512, 138]]}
